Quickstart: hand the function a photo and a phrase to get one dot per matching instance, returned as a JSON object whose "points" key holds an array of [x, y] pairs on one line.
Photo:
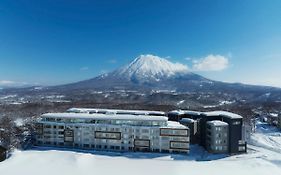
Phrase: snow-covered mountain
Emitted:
{"points": [[149, 72], [146, 72], [147, 68]]}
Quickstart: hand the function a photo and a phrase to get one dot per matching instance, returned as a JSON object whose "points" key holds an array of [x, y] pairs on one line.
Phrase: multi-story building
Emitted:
{"points": [[236, 143], [217, 136], [113, 131]]}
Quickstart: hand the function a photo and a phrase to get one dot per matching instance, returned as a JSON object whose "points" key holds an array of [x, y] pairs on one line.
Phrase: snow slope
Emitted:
{"points": [[263, 158], [266, 136], [67, 162]]}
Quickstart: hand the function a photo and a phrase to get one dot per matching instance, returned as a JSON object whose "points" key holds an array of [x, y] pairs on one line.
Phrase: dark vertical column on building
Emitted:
{"points": [[3, 153], [173, 117], [235, 133]]}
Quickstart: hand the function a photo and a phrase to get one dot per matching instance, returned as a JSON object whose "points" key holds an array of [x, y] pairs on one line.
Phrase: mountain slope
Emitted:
{"points": [[150, 82], [144, 72]]}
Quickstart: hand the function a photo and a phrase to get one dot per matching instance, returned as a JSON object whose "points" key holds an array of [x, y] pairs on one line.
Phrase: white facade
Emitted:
{"points": [[217, 136], [114, 132]]}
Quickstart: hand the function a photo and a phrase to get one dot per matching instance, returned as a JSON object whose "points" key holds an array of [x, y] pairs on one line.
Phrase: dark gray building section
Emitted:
{"points": [[3, 153], [235, 121], [193, 128]]}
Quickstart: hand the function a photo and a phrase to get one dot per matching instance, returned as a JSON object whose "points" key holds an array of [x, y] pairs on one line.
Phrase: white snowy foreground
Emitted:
{"points": [[262, 159]]}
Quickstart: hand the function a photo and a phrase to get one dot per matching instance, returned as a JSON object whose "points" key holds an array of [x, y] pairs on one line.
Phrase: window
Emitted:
{"points": [[173, 132], [107, 135], [179, 145], [61, 132], [47, 132], [236, 123], [86, 145], [50, 119], [61, 127], [145, 131], [141, 143], [241, 148], [47, 126], [68, 135], [164, 151], [145, 137]]}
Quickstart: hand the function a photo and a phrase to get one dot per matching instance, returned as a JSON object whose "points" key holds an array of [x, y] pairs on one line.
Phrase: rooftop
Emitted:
{"points": [[217, 123], [97, 116], [223, 113], [116, 111], [212, 113], [172, 124], [181, 112], [187, 120]]}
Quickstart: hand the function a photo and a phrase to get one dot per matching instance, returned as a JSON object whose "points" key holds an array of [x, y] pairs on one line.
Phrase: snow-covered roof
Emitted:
{"points": [[211, 113], [217, 123], [187, 120], [97, 116], [223, 113], [116, 111], [176, 112], [172, 124], [181, 112]]}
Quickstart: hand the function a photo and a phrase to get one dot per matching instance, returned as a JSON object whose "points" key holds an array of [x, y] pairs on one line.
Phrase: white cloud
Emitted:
{"points": [[7, 82], [211, 63]]}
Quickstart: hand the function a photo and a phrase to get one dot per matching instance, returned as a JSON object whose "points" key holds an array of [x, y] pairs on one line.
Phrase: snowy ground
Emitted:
{"points": [[264, 157]]}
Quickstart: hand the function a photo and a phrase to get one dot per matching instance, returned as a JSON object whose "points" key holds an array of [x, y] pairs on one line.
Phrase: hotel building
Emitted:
{"points": [[112, 130], [201, 121]]}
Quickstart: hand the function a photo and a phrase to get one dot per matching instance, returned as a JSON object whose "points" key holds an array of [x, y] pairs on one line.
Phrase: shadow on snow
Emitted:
{"points": [[197, 153]]}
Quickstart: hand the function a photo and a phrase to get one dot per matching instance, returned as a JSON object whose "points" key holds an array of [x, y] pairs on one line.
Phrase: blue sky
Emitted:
{"points": [[56, 42]]}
